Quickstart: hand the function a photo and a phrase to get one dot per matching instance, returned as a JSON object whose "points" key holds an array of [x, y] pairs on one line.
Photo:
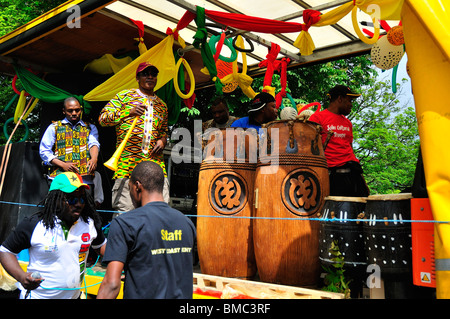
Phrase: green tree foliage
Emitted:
{"points": [[13, 14], [6, 95], [386, 138]]}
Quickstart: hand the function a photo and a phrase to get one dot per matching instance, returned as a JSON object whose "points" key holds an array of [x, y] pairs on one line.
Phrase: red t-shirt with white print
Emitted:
{"points": [[339, 149]]}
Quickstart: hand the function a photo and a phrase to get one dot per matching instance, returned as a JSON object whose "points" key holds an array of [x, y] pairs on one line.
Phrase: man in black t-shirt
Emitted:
{"points": [[152, 243]]}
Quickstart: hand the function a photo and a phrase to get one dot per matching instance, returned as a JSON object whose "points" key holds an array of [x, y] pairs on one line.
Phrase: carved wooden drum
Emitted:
{"points": [[291, 183], [224, 203]]}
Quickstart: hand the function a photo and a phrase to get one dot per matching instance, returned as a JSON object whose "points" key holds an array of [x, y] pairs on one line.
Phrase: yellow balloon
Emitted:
{"points": [[20, 106], [31, 108], [191, 78], [361, 36]]}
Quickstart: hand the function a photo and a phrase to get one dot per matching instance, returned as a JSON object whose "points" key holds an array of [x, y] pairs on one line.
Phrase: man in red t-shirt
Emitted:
{"points": [[346, 177]]}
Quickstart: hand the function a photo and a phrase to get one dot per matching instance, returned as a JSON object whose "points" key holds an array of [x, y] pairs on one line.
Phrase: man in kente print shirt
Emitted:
{"points": [[148, 138]]}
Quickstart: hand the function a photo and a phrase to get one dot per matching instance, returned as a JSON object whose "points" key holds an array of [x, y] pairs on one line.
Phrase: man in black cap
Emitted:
{"points": [[262, 110], [346, 177]]}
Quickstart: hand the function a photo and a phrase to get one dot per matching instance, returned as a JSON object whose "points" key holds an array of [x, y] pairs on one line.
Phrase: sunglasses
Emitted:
{"points": [[146, 73], [74, 200]]}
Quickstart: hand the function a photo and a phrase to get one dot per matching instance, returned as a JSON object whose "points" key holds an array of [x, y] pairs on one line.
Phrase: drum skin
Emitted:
{"points": [[343, 222], [224, 200], [291, 183]]}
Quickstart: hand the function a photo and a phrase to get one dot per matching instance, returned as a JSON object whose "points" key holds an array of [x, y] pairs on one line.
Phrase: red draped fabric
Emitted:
{"points": [[269, 63], [183, 23], [256, 24], [310, 17], [249, 23], [219, 46], [185, 20], [140, 26], [282, 68]]}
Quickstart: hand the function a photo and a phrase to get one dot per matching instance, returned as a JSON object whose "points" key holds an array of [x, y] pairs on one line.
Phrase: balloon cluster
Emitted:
{"points": [[387, 52]]}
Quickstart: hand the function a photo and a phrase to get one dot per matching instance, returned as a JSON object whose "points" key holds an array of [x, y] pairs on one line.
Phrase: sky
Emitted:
{"points": [[405, 96]]}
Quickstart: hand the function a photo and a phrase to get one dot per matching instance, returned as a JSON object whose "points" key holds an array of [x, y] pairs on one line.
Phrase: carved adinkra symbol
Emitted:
{"points": [[228, 193], [302, 192], [231, 192]]}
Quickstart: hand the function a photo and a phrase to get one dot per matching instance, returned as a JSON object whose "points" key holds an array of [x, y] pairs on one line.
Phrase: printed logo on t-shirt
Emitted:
{"points": [[171, 236], [84, 249], [339, 130]]}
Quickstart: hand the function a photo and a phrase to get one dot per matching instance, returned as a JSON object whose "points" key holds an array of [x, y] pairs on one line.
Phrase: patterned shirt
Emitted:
{"points": [[71, 146], [48, 148], [116, 113]]}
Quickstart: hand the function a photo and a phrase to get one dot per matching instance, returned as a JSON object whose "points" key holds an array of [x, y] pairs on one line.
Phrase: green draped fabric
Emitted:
{"points": [[200, 43], [45, 91]]}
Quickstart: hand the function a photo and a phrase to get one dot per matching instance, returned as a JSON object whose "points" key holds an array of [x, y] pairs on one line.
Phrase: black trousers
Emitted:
{"points": [[348, 180]]}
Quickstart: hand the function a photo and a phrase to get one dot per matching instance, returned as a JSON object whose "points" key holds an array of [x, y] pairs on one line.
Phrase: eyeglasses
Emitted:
{"points": [[74, 200], [146, 73]]}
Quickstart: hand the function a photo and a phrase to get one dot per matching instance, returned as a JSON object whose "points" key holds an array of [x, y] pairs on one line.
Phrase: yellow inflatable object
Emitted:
{"points": [[243, 80], [191, 79], [31, 108], [20, 106], [361, 36], [427, 40]]}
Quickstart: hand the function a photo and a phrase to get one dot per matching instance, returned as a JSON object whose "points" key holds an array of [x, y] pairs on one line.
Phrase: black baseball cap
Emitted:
{"points": [[342, 90], [260, 101]]}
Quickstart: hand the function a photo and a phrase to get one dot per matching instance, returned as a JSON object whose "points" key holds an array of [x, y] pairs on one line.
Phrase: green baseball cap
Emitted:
{"points": [[67, 182]]}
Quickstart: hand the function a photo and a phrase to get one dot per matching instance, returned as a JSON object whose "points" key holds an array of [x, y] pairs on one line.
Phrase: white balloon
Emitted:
{"points": [[386, 55], [288, 113]]}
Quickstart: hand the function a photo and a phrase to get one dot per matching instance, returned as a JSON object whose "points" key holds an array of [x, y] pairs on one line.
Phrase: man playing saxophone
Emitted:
{"points": [[148, 134]]}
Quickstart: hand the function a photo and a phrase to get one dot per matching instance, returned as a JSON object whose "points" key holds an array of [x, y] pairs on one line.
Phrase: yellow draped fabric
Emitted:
{"points": [[141, 46], [382, 9], [107, 64], [160, 55], [427, 41]]}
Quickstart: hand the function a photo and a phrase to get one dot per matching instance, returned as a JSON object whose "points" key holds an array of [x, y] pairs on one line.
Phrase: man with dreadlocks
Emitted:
{"points": [[58, 239]]}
